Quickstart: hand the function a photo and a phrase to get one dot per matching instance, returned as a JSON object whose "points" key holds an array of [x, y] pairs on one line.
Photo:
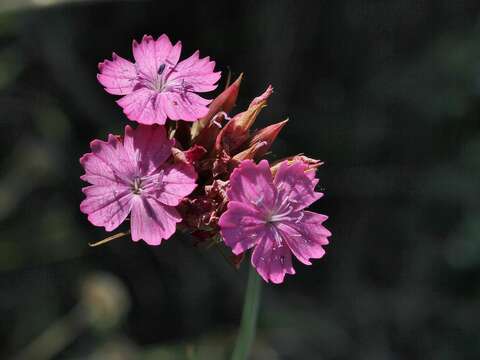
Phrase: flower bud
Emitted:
{"points": [[209, 133], [236, 131], [252, 151], [266, 135], [264, 97], [223, 102]]}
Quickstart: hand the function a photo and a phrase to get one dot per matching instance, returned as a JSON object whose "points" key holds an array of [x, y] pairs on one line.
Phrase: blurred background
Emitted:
{"points": [[387, 93]]}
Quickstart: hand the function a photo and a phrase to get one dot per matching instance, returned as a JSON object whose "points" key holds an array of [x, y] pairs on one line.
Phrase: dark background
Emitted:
{"points": [[387, 93]]}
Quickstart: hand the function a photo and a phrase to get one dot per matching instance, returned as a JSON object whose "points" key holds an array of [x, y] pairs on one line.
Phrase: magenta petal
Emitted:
{"points": [[152, 221], [106, 206], [117, 76], [174, 55], [306, 237], [197, 73], [148, 146], [97, 171], [145, 106], [110, 158], [252, 184], [271, 261], [311, 225], [292, 183], [241, 227], [178, 182], [150, 53], [188, 107]]}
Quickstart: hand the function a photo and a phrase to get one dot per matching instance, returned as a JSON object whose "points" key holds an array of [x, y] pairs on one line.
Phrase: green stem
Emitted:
{"points": [[248, 324]]}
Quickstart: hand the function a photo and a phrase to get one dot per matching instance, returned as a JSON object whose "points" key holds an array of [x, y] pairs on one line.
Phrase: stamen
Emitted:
{"points": [[259, 201], [282, 216], [160, 69], [137, 185], [154, 181], [277, 236], [300, 217]]}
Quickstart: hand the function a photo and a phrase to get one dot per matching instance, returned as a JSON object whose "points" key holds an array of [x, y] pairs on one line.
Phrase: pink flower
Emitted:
{"points": [[268, 213], [157, 86], [131, 176]]}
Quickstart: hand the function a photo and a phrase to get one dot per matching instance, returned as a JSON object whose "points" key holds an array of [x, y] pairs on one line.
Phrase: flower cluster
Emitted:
{"points": [[191, 165]]}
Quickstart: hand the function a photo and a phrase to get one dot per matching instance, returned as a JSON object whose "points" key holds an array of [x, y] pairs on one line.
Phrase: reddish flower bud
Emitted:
{"points": [[264, 97], [223, 102], [195, 153], [209, 133], [236, 131], [191, 156], [266, 136], [251, 152]]}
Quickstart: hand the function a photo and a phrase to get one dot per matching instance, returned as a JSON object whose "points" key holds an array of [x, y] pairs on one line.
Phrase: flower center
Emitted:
{"points": [[148, 183], [283, 210], [161, 82], [137, 185]]}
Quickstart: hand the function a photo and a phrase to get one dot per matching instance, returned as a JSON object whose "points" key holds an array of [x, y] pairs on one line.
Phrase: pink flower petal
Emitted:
{"points": [[148, 146], [97, 171], [117, 76], [307, 237], [197, 73], [109, 158], [241, 227], [149, 54], [292, 183], [178, 182], [145, 106], [187, 107], [152, 221], [272, 261], [106, 206], [252, 184]]}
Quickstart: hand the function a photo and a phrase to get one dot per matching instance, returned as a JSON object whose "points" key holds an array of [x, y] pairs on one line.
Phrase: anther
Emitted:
{"points": [[161, 68]]}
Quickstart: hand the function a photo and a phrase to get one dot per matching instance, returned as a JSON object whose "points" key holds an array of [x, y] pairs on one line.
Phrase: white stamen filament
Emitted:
{"points": [[140, 184]]}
